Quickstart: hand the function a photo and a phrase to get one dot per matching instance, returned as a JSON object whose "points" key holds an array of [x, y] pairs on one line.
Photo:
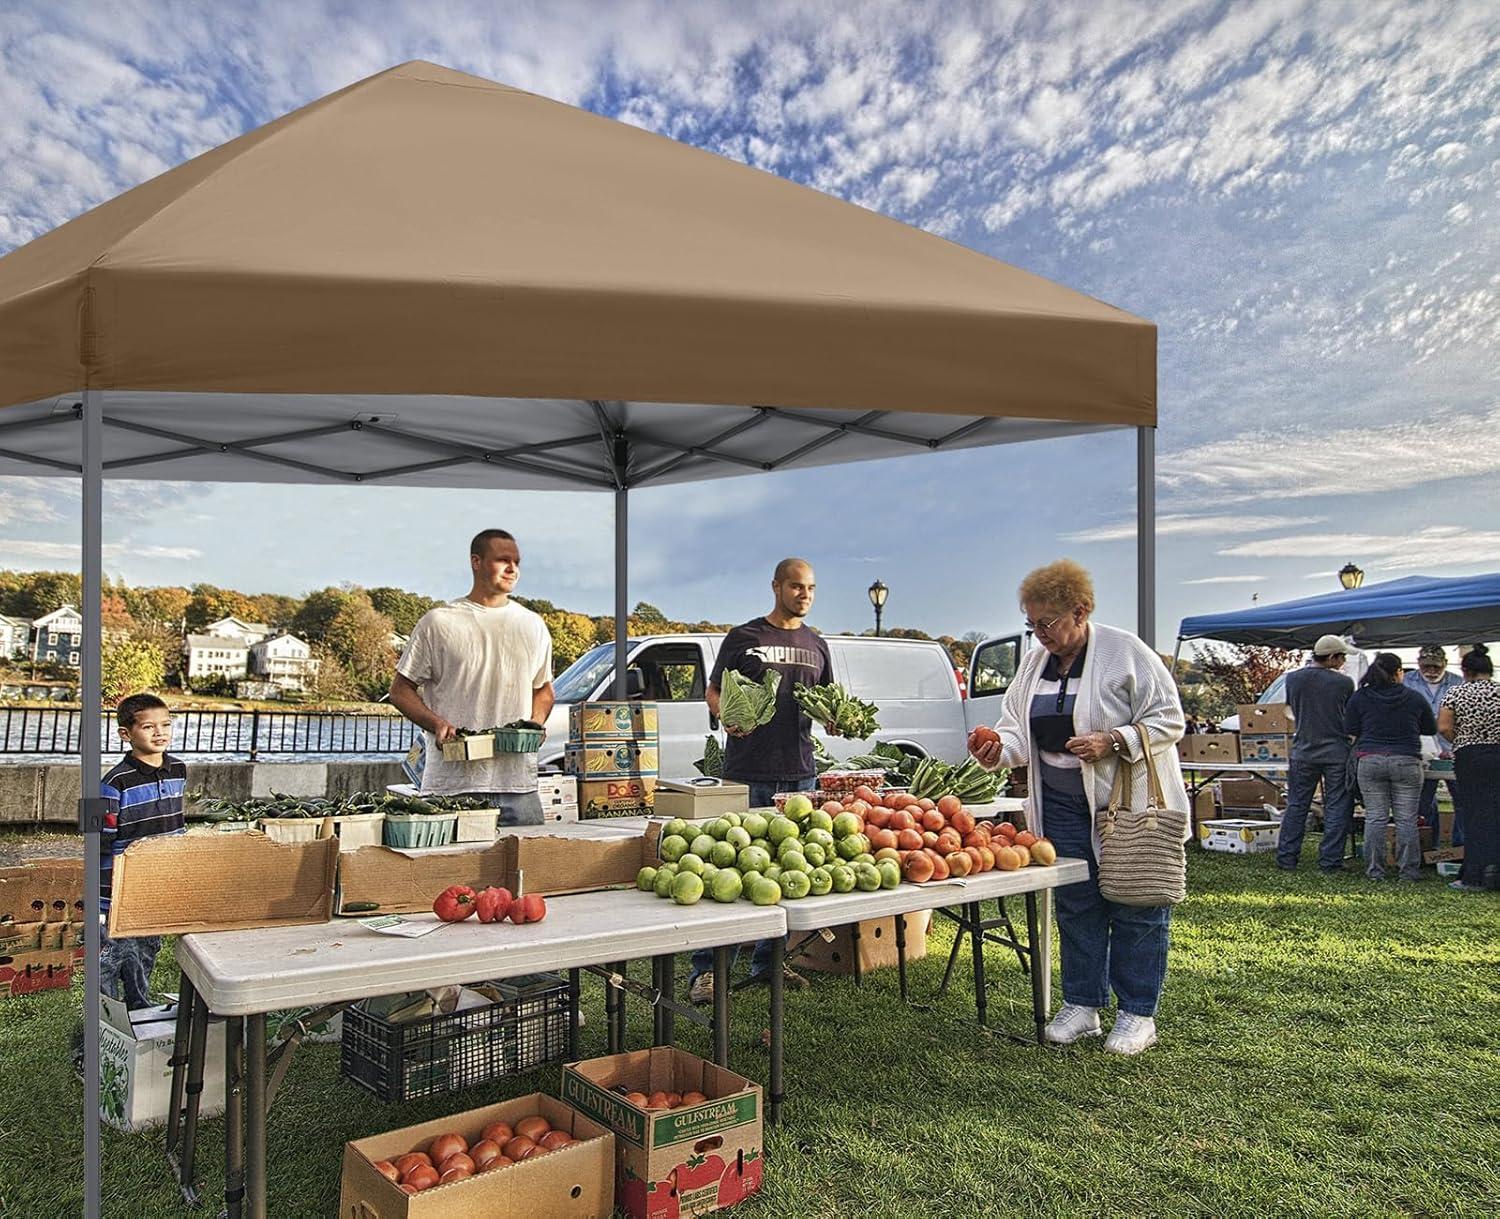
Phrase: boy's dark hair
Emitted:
{"points": [[132, 706], [484, 537]]}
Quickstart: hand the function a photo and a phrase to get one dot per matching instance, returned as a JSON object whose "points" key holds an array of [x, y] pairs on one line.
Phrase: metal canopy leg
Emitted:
{"points": [[234, 1116], [255, 1116], [89, 750], [1145, 534]]}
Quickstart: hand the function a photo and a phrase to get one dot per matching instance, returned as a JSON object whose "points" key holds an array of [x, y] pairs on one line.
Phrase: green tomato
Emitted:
{"points": [[664, 882], [847, 823], [732, 820], [723, 855], [738, 837], [645, 880], [708, 873], [814, 853], [851, 846], [762, 842], [726, 885], [821, 881], [765, 892], [702, 845], [687, 889], [890, 873], [678, 827], [673, 847], [691, 864], [716, 829], [795, 861], [754, 859], [774, 873], [866, 877], [747, 881], [795, 885], [671, 869], [756, 824], [864, 857], [798, 806], [780, 829], [843, 878], [823, 838], [819, 820]]}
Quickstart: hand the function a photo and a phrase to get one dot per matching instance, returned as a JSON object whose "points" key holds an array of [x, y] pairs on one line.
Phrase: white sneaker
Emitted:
{"points": [[1073, 1022], [1131, 1034]]}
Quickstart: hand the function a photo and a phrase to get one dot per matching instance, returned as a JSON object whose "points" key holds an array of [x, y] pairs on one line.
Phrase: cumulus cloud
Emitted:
{"points": [[1420, 549], [1189, 525]]}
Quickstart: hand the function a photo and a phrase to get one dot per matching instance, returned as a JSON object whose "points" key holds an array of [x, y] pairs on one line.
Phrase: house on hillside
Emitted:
{"points": [[15, 636], [226, 656], [399, 642], [57, 637], [238, 628], [285, 660]]}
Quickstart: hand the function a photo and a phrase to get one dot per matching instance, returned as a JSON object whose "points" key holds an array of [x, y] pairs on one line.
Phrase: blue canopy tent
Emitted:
{"points": [[1398, 613]]}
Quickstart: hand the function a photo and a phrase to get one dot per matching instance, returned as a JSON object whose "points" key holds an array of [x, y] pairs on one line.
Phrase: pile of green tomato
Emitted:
{"points": [[764, 857]]}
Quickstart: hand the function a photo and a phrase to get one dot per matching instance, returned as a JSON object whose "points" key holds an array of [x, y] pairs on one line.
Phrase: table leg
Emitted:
{"points": [[573, 1002], [854, 952], [234, 1116], [778, 992], [901, 954], [197, 1051], [1041, 963], [614, 1010], [1041, 968], [667, 983], [976, 922], [186, 997], [723, 958], [255, 1115], [958, 943]]}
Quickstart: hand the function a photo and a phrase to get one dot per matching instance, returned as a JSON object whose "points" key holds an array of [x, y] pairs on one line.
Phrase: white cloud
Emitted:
{"points": [[1427, 547], [1225, 580], [24, 552], [1188, 524]]}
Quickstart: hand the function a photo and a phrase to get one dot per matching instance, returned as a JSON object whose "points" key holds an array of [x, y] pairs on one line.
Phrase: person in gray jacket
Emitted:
{"points": [[1317, 694]]}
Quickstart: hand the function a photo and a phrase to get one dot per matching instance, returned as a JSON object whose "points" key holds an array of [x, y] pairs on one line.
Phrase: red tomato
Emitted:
{"points": [[454, 904], [533, 1127], [483, 1152], [554, 1139], [962, 820], [446, 1145], [518, 1147], [949, 805], [423, 1176], [500, 1161], [493, 904], [528, 909], [918, 867], [456, 1173], [458, 1160], [412, 1159], [983, 735], [933, 820], [499, 1133], [388, 1170]]}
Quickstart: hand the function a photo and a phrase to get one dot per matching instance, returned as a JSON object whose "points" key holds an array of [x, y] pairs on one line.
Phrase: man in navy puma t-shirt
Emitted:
{"points": [[777, 756]]}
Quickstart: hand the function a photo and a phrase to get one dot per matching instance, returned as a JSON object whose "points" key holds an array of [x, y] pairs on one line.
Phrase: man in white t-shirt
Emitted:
{"points": [[479, 662]]}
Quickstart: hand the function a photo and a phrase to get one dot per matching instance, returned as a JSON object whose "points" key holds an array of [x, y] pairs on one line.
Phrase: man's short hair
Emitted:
{"points": [[484, 537], [784, 569], [132, 706]]}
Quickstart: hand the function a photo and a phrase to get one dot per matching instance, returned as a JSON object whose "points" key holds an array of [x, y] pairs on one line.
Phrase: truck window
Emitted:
{"points": [[671, 672], [994, 668], [886, 672]]}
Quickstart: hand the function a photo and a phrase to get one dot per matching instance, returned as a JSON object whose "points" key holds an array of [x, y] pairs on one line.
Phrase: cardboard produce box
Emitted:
{"points": [[832, 949], [611, 759], [675, 1162], [1206, 805], [626, 797], [611, 721], [1250, 792], [1267, 748], [1266, 719], [26, 972], [1239, 837], [46, 891], [578, 1179], [700, 799], [1218, 747], [135, 1065], [474, 748], [173, 885]]}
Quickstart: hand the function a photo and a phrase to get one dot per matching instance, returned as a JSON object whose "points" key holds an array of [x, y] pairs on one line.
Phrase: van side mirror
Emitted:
{"points": [[635, 683]]}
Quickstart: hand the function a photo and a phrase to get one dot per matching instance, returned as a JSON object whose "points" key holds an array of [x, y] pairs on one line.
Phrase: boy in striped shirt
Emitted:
{"points": [[145, 792]]}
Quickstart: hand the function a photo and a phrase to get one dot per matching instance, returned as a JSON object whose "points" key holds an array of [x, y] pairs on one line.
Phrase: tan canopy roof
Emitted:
{"points": [[436, 237]]}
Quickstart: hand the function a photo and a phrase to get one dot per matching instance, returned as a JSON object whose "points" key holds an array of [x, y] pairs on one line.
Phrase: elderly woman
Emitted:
{"points": [[1470, 718], [1071, 716]]}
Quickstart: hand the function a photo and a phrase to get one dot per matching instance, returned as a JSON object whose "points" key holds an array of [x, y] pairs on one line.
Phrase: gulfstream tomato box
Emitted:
{"points": [[690, 1160]]}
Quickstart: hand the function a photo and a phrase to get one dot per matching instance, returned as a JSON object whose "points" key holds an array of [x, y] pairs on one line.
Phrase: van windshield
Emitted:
{"points": [[582, 677]]}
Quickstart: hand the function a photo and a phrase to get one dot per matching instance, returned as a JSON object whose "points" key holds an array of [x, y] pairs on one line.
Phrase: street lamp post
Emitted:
{"points": [[1351, 577], [878, 593]]}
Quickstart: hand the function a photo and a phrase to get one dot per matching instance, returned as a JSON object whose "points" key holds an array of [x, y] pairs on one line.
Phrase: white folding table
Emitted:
{"points": [[242, 975]]}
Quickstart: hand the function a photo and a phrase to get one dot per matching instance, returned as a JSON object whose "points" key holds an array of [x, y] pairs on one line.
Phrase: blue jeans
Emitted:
{"points": [[1338, 812], [761, 796], [1104, 944], [1392, 786], [1429, 809], [125, 968], [516, 808]]}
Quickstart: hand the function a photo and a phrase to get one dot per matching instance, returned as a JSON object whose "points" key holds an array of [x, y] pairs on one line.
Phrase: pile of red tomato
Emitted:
{"points": [[449, 1157], [492, 905]]}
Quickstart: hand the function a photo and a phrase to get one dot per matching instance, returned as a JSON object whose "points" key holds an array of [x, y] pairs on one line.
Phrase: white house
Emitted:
{"points": [[399, 642], [57, 636], [15, 636], [238, 628], [285, 660], [225, 655]]}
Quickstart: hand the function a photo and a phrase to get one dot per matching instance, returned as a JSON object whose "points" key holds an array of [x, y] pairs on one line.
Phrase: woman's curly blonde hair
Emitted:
{"points": [[1059, 586]]}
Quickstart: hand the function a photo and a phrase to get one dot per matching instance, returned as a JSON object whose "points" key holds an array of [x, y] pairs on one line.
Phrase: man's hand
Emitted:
{"points": [[739, 732], [1091, 747], [443, 730]]}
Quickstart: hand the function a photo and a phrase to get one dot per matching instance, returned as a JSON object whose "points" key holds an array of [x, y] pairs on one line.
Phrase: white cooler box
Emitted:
{"points": [[1238, 837], [135, 1065]]}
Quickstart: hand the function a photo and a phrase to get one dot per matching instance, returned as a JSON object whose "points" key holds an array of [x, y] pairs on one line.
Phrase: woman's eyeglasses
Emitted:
{"points": [[1037, 628]]}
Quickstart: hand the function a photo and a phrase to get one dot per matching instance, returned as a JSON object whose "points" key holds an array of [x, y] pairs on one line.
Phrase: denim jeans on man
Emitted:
{"points": [[1338, 811], [762, 795], [1391, 784], [1104, 944], [516, 808]]}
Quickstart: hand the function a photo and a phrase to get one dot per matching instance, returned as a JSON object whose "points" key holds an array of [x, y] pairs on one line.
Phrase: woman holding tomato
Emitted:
{"points": [[1071, 715]]}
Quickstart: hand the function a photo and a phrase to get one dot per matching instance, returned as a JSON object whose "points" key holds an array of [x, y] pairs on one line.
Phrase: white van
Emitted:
{"points": [[912, 681]]}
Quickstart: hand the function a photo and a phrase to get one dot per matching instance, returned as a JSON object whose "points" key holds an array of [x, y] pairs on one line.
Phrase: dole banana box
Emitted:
{"points": [[609, 721], [611, 760]]}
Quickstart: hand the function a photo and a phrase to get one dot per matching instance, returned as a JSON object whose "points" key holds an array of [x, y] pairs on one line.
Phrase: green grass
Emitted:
{"points": [[1329, 1047]]}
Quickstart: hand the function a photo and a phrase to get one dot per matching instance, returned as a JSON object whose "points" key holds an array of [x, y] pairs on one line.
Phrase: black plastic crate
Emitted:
{"points": [[526, 1028]]}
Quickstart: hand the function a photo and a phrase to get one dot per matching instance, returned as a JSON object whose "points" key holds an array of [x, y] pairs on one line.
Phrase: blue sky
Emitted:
{"points": [[1301, 195]]}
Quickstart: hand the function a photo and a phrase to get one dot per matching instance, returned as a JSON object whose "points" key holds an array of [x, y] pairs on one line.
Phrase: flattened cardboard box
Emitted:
{"points": [[175, 885], [405, 882], [611, 721], [685, 1161], [46, 891], [578, 1179], [1210, 747]]}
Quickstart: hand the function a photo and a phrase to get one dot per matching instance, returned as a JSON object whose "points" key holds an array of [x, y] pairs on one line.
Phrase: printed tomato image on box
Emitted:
{"points": [[699, 1156]]}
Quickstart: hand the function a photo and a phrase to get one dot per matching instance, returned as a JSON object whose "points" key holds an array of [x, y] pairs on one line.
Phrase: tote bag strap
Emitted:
{"points": [[1156, 798]]}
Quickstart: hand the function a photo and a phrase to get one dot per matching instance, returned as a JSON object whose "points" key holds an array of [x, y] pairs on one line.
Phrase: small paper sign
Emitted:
{"points": [[394, 924]]}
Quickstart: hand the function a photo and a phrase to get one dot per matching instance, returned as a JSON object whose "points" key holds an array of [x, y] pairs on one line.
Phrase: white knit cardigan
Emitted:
{"points": [[1124, 683]]}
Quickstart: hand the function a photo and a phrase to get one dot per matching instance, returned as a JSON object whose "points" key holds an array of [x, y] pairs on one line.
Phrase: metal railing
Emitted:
{"points": [[252, 734]]}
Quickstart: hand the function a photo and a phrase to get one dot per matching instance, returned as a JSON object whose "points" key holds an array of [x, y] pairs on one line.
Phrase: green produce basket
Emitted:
{"points": [[419, 829], [518, 740]]}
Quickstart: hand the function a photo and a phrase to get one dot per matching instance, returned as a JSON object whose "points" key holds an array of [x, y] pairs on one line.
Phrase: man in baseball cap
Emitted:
{"points": [[1320, 751], [1432, 681]]}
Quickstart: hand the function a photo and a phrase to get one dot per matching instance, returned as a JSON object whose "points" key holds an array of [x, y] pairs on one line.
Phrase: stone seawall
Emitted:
{"points": [[37, 795]]}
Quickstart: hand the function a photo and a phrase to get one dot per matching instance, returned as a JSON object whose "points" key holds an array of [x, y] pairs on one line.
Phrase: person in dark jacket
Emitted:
{"points": [[1318, 695], [1387, 721]]}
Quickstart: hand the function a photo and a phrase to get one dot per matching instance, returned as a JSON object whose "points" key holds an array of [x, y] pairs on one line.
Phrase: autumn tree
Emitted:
{"points": [[31, 594], [572, 636], [314, 619], [1240, 672], [404, 609], [209, 603], [129, 666], [275, 610], [167, 606], [359, 637]]}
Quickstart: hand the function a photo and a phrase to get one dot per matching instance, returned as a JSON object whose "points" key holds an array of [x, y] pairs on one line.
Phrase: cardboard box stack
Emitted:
{"points": [[613, 752], [1266, 732], [41, 928], [559, 796], [1210, 747], [676, 1162]]}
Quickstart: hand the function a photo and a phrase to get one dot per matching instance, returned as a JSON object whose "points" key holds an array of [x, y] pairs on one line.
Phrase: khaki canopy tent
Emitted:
{"points": [[428, 279]]}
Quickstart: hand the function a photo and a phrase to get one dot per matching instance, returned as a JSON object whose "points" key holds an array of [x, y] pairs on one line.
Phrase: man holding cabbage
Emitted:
{"points": [[769, 747]]}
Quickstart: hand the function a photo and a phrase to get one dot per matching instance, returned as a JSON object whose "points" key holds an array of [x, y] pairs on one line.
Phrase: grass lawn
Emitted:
{"points": [[1329, 1047]]}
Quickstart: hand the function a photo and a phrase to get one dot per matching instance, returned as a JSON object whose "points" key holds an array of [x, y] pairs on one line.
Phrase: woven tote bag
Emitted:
{"points": [[1142, 860]]}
